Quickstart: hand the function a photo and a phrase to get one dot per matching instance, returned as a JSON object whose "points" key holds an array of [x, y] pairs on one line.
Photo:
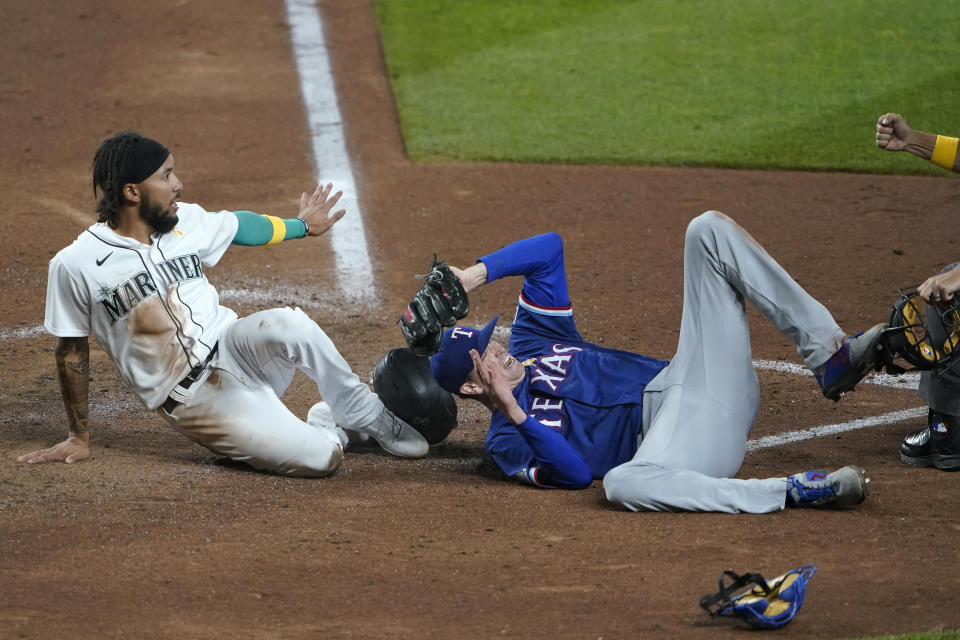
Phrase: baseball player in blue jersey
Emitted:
{"points": [[664, 436], [136, 280]]}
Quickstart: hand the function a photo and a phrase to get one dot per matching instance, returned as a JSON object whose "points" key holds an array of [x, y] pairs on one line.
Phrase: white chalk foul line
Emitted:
{"points": [[354, 272], [904, 381], [21, 333], [831, 429]]}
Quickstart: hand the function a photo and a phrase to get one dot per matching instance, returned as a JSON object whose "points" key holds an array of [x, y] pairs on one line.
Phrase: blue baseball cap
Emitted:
{"points": [[452, 363]]}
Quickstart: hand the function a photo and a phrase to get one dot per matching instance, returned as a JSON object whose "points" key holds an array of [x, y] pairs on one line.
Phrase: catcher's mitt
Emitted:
{"points": [[769, 605], [439, 303]]}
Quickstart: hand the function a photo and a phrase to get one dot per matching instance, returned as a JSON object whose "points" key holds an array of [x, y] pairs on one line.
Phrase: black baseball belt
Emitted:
{"points": [[170, 403]]}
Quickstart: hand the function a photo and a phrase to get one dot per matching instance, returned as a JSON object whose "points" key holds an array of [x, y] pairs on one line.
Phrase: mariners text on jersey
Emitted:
{"points": [[121, 300]]}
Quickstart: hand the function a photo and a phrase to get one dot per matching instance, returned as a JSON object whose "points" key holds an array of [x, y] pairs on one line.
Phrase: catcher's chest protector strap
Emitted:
{"points": [[726, 592]]}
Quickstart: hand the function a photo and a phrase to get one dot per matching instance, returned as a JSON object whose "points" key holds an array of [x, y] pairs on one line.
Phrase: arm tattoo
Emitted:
{"points": [[73, 369]]}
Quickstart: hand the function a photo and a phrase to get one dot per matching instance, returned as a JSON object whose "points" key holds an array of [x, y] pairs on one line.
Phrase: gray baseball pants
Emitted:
{"points": [[698, 411]]}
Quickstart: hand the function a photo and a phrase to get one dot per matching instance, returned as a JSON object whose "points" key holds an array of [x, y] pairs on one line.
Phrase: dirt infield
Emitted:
{"points": [[153, 538]]}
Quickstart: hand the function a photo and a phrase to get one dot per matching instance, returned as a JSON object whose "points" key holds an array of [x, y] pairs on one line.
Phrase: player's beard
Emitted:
{"points": [[160, 220]]}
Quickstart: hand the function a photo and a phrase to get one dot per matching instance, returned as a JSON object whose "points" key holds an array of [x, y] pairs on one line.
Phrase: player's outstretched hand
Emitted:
{"points": [[315, 209], [497, 389], [73, 449], [892, 132]]}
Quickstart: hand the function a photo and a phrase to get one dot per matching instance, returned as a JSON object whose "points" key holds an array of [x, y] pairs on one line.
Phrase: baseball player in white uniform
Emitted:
{"points": [[136, 280]]}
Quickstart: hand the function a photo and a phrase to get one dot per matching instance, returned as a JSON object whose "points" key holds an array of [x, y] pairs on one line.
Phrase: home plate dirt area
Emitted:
{"points": [[153, 537]]}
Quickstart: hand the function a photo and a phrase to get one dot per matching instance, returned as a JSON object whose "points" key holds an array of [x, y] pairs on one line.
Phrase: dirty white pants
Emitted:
{"points": [[236, 410]]}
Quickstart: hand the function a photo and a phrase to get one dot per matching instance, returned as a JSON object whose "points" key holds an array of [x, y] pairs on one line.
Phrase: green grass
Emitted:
{"points": [[727, 83]]}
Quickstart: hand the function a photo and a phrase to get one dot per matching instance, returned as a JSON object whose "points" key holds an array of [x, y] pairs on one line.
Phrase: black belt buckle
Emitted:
{"points": [[193, 376], [170, 404]]}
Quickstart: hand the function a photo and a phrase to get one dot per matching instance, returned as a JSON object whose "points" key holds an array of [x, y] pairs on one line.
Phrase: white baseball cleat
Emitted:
{"points": [[396, 436]]}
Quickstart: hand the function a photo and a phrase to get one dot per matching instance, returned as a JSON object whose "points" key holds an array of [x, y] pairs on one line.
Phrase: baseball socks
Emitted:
{"points": [[852, 361], [844, 487], [321, 417], [936, 446]]}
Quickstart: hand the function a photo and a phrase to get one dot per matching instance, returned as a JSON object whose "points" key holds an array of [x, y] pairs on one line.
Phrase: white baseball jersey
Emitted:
{"points": [[150, 307]]}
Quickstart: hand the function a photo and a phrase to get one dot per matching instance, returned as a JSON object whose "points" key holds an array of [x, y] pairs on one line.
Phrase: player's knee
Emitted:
{"points": [[615, 484], [281, 325], [314, 454], [317, 463], [704, 225], [621, 487]]}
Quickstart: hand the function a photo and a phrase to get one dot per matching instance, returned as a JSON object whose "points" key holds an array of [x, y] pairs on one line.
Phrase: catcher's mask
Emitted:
{"points": [[924, 335], [768, 605]]}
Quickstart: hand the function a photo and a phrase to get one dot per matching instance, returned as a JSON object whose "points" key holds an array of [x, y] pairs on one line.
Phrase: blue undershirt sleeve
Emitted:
{"points": [[540, 260], [561, 465]]}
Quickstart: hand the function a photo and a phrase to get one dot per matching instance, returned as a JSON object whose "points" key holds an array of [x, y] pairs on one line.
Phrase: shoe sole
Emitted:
{"points": [[948, 463], [937, 461], [849, 379], [863, 486], [401, 453], [918, 461]]}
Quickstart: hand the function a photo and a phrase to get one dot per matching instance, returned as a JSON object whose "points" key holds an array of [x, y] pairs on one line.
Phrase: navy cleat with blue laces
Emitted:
{"points": [[852, 361]]}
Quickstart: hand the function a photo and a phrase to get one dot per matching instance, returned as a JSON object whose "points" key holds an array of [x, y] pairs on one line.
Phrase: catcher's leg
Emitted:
{"points": [[941, 390], [938, 445]]}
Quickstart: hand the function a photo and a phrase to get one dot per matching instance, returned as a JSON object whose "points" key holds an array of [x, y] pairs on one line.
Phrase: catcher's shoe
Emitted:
{"points": [[853, 360], [396, 436], [844, 487], [936, 446]]}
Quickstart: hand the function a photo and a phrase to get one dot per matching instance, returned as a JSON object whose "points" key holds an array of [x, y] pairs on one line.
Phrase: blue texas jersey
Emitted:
{"points": [[592, 396]]}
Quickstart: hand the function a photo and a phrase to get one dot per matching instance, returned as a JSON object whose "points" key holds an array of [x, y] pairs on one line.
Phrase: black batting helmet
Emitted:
{"points": [[404, 383], [927, 336]]}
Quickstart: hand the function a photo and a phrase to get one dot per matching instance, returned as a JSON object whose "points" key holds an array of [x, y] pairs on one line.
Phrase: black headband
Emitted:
{"points": [[145, 158]]}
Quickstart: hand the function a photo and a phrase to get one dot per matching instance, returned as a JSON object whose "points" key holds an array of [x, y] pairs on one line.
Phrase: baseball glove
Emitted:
{"points": [[439, 303], [768, 605]]}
